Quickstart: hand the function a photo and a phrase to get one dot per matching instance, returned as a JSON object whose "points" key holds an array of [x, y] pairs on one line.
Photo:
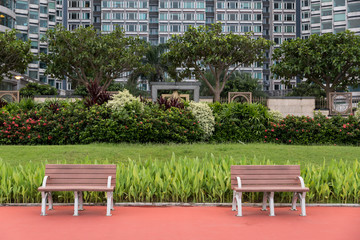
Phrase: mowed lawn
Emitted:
{"points": [[116, 153]]}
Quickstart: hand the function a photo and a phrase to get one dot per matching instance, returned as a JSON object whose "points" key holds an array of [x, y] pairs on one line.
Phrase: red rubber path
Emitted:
{"points": [[330, 223]]}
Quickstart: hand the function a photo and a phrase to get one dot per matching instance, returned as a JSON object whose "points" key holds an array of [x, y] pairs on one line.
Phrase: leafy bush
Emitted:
{"points": [[166, 103], [204, 117], [275, 116], [184, 180], [32, 89], [124, 100], [239, 122], [3, 103]]}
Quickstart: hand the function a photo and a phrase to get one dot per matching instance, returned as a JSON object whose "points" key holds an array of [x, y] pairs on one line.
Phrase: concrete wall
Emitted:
{"points": [[44, 98], [298, 106]]}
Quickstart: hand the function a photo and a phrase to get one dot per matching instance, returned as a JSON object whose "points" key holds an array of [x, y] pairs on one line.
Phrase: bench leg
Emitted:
{"points": [[265, 197], [112, 201], [50, 201], [294, 200], [81, 201], [239, 203], [233, 207], [43, 203], [76, 203], [302, 199], [271, 203], [108, 205]]}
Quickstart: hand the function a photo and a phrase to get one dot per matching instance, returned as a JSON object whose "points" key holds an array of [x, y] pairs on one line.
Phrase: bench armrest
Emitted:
{"points": [[44, 181], [109, 182], [301, 181], [238, 182]]}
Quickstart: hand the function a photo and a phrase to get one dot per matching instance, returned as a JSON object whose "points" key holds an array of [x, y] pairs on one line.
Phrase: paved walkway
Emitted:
{"points": [[172, 223]]}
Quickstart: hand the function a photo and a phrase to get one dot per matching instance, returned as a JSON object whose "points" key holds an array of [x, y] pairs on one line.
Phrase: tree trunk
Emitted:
{"points": [[217, 96]]}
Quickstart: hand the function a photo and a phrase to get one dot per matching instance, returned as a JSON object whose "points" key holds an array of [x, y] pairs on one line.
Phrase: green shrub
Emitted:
{"points": [[204, 116], [184, 180], [239, 122], [32, 89], [124, 99]]}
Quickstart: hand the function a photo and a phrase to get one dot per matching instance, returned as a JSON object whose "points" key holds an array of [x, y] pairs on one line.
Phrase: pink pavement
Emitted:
{"points": [[173, 223]]}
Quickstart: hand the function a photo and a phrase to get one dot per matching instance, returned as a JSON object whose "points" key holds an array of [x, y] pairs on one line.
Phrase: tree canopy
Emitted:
{"points": [[331, 61], [15, 54], [87, 57], [207, 48]]}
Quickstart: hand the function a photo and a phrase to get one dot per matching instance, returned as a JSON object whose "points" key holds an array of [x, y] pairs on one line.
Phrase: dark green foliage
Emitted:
{"points": [[165, 103], [239, 122], [3, 103], [304, 89], [243, 82], [317, 130], [97, 95], [32, 89]]}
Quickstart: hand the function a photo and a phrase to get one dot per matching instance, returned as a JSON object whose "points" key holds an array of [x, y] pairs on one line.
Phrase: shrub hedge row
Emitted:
{"points": [[74, 123]]}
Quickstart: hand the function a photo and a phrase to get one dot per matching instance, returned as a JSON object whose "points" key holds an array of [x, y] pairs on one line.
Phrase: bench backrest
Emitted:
{"points": [[80, 174], [265, 175]]}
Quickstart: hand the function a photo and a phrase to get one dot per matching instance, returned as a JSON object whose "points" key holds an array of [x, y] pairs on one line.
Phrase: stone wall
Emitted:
{"points": [[44, 98], [297, 106]]}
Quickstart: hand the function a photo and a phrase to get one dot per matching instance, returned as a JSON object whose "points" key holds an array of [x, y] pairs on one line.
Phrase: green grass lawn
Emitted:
{"points": [[121, 152]]}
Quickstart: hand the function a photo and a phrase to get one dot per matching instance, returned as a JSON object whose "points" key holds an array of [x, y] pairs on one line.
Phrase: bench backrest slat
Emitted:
{"points": [[75, 174], [265, 175]]}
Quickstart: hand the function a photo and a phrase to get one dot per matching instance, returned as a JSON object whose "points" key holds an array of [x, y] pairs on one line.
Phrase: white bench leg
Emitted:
{"points": [[239, 203], [76, 203], [43, 203], [233, 207], [294, 200], [265, 197], [50, 201], [112, 201], [271, 203], [81, 201], [302, 199], [108, 205]]}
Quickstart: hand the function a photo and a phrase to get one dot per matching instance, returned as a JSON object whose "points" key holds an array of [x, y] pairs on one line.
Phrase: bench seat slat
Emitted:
{"points": [[265, 172], [77, 188], [266, 181], [265, 167], [83, 175], [79, 171], [272, 189], [80, 180], [80, 166]]}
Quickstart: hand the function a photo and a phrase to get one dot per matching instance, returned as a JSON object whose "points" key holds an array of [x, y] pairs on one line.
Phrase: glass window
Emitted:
{"points": [[339, 17], [246, 17], [257, 29], [245, 5], [189, 4], [43, 23], [220, 5], [326, 25], [22, 21], [339, 3], [315, 19], [326, 12], [105, 28], [175, 28], [232, 5], [289, 17], [289, 6], [257, 17], [142, 16], [163, 28], [132, 4], [305, 15], [277, 17], [257, 5], [131, 16], [86, 4], [106, 4], [175, 16], [175, 5], [337, 30], [305, 27], [22, 5], [315, 31], [220, 16], [51, 5], [232, 17], [163, 16], [315, 7], [354, 7], [51, 18], [200, 5], [143, 4], [354, 23], [326, 0], [289, 29], [188, 16], [143, 28], [131, 28], [200, 16], [277, 5], [43, 9], [33, 74], [58, 13], [305, 3], [34, 44], [34, 2], [277, 29], [163, 4], [245, 28], [232, 28], [86, 15], [118, 16]]}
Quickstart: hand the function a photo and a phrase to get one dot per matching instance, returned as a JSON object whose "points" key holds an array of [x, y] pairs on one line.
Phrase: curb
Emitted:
{"points": [[170, 204]]}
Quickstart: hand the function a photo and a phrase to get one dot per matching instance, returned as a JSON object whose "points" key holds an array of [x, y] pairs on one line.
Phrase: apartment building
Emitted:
{"points": [[7, 15], [324, 16], [33, 19]]}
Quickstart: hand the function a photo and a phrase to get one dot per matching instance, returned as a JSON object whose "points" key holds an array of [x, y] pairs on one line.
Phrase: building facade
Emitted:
{"points": [[329, 16], [33, 19], [7, 15]]}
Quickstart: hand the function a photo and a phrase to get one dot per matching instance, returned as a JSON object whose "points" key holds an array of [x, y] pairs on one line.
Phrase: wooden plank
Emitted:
{"points": [[265, 167], [265, 172], [80, 171], [271, 189], [76, 188], [267, 182], [106, 166], [79, 180], [83, 175], [79, 184], [243, 177]]}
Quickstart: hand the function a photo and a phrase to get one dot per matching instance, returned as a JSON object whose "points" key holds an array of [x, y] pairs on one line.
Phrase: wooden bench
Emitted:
{"points": [[267, 179], [78, 178]]}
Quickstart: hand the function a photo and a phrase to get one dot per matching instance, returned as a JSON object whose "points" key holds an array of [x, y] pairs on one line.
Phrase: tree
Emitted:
{"points": [[243, 82], [331, 60], [15, 54], [91, 59], [207, 48], [307, 89]]}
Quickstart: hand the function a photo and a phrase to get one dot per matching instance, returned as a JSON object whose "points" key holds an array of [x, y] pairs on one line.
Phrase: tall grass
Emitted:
{"points": [[184, 180]]}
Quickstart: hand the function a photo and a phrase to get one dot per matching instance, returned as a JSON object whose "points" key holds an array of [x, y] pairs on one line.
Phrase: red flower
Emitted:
{"points": [[289, 140], [344, 125], [39, 136], [265, 136], [49, 137], [276, 139], [265, 130], [272, 130]]}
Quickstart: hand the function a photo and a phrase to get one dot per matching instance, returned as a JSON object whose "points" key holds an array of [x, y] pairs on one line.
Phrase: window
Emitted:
{"points": [[305, 3], [22, 5], [175, 16], [289, 17], [105, 28], [74, 15], [338, 30], [163, 4], [246, 28], [277, 5], [143, 28], [277, 17], [58, 13], [220, 16], [200, 17], [326, 0], [132, 4], [143, 4], [33, 74], [106, 4], [277, 29], [34, 44], [220, 5], [277, 40], [232, 17], [232, 5], [118, 16], [175, 5], [244, 5], [189, 5], [142, 16], [186, 27], [86, 16], [175, 28], [22, 21], [43, 23], [258, 75], [246, 17], [289, 6], [354, 23], [86, 4], [74, 4], [339, 17], [163, 28], [163, 16], [305, 15], [315, 19], [257, 17], [36, 2], [315, 31], [33, 29], [131, 28], [354, 7], [59, 2], [43, 78], [257, 5], [51, 5], [257, 29], [200, 5], [326, 12], [289, 29], [326, 25], [34, 14], [232, 28], [131, 16], [305, 27], [315, 7], [43, 9], [339, 3]]}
